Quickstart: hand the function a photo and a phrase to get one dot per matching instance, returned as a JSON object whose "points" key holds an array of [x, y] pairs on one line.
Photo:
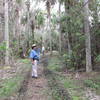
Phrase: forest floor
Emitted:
{"points": [[37, 89], [16, 82], [53, 82]]}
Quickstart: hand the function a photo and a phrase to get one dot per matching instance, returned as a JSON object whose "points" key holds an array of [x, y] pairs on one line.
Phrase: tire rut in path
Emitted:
{"points": [[36, 89]]}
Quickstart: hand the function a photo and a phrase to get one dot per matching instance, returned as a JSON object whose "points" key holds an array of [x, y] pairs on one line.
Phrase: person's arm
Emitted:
{"points": [[31, 57], [32, 61]]}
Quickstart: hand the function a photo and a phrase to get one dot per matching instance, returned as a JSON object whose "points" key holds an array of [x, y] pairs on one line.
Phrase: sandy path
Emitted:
{"points": [[37, 89]]}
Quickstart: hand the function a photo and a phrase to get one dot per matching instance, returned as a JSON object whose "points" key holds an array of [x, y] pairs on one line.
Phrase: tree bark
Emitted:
{"points": [[49, 23], [59, 27], [28, 24], [6, 33], [50, 34], [88, 37], [69, 46]]}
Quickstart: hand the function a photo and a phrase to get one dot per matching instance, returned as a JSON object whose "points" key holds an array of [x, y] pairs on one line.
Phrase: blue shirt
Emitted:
{"points": [[33, 55]]}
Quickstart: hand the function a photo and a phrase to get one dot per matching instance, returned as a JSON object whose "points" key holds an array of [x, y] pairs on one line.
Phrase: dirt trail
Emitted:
{"points": [[37, 89]]}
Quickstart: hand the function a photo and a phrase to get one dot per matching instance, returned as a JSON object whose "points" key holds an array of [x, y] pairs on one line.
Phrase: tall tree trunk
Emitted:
{"points": [[50, 34], [49, 23], [67, 11], [28, 23], [6, 33], [14, 19], [69, 46], [59, 27], [88, 39]]}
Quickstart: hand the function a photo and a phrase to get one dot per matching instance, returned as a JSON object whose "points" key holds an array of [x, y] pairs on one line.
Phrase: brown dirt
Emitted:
{"points": [[37, 89]]}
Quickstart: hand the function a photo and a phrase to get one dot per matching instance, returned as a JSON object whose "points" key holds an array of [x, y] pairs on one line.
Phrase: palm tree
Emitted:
{"points": [[59, 27], [88, 37], [6, 33], [48, 5]]}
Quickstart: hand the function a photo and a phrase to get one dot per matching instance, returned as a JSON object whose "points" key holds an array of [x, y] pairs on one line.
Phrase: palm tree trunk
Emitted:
{"points": [[59, 27], [6, 33], [28, 23], [88, 37], [49, 23], [69, 46], [50, 34]]}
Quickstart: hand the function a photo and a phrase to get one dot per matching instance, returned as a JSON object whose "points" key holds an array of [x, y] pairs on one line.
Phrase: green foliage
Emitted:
{"points": [[19, 1], [68, 60], [54, 64], [14, 43], [98, 58], [10, 86], [91, 84], [55, 40], [2, 46], [25, 61], [56, 94], [40, 18], [72, 23], [14, 48], [76, 98], [54, 19], [69, 84]]}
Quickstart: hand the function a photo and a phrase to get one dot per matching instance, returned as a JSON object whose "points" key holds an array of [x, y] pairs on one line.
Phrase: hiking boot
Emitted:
{"points": [[34, 77]]}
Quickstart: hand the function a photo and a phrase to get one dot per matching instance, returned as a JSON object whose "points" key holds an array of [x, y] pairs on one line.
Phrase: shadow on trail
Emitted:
{"points": [[23, 89]]}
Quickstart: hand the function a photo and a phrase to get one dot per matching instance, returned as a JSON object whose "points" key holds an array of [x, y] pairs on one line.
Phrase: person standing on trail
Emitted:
{"points": [[34, 59], [43, 49]]}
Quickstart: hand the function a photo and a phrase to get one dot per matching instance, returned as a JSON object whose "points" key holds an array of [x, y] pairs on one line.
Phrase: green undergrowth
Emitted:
{"points": [[75, 90], [75, 87], [10, 86], [25, 61], [93, 84], [54, 64], [57, 90]]}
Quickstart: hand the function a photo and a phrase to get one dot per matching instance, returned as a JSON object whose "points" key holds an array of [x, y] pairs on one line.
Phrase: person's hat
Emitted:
{"points": [[34, 45]]}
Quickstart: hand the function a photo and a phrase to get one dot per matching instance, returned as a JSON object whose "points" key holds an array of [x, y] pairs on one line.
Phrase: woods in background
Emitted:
{"points": [[73, 31]]}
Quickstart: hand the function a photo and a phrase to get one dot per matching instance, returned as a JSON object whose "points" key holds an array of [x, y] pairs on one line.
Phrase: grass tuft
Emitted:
{"points": [[10, 86]]}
